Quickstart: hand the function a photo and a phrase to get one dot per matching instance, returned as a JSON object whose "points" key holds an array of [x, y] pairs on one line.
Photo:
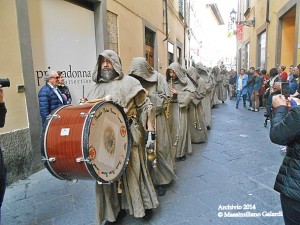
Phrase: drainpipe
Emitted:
{"points": [[166, 17], [268, 12]]}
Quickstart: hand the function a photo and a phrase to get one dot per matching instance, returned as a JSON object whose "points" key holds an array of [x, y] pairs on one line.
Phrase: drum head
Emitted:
{"points": [[106, 141]]}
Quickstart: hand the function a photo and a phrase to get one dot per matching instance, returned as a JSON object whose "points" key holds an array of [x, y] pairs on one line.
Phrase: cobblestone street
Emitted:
{"points": [[226, 181]]}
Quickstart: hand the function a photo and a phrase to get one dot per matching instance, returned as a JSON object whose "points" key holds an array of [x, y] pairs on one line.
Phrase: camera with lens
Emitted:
{"points": [[4, 82]]}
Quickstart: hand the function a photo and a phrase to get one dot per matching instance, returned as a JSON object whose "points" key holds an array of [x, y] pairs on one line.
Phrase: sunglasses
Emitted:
{"points": [[56, 78]]}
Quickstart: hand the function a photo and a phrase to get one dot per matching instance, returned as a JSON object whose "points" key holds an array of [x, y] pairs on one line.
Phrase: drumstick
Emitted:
{"points": [[82, 91], [106, 98]]}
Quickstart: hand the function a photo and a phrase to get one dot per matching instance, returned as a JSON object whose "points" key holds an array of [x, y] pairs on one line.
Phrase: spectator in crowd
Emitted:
{"points": [[64, 88], [282, 73], [250, 85], [50, 97], [285, 130], [273, 89], [256, 91], [294, 82], [291, 72], [265, 79], [232, 81], [3, 171], [241, 87]]}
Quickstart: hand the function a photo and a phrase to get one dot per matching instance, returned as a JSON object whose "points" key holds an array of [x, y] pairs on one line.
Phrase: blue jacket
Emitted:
{"points": [[49, 101], [244, 83]]}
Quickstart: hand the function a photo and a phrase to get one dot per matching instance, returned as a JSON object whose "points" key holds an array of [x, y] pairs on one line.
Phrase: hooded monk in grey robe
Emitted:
{"points": [[181, 89], [196, 114], [220, 82], [206, 101], [158, 92], [213, 93], [138, 193]]}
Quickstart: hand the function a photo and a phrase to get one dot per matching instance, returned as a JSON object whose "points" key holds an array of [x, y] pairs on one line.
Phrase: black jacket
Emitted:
{"points": [[251, 80], [65, 91], [285, 130], [2, 122]]}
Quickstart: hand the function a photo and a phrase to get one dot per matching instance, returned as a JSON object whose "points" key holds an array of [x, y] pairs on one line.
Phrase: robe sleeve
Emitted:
{"points": [[199, 94], [196, 97], [184, 98], [158, 100], [145, 109]]}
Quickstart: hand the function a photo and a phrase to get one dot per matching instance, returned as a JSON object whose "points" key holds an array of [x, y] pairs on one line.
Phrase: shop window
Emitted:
{"points": [[262, 50], [170, 53]]}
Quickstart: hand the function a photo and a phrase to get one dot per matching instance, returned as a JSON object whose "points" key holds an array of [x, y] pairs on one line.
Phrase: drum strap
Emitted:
{"points": [[119, 186], [132, 114]]}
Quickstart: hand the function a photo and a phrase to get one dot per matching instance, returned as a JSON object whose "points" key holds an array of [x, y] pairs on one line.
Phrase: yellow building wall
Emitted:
{"points": [[162, 53], [131, 34], [288, 42], [10, 61], [152, 11], [272, 33], [258, 9]]}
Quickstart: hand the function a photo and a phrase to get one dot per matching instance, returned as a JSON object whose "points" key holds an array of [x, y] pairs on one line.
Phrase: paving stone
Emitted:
{"points": [[237, 166]]}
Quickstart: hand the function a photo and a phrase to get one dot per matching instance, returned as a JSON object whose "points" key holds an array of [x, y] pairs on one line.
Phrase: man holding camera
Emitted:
{"points": [[2, 166], [50, 97], [285, 130]]}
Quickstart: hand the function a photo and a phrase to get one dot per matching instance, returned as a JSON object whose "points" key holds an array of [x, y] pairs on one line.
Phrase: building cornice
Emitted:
{"points": [[215, 10]]}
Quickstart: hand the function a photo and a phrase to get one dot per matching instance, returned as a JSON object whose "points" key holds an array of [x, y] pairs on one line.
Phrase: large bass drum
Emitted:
{"points": [[89, 141]]}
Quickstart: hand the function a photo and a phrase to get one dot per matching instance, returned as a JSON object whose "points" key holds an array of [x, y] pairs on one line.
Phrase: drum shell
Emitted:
{"points": [[66, 139], [66, 148]]}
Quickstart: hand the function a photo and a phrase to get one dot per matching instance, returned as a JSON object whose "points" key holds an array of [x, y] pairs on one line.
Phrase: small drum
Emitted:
{"points": [[89, 141]]}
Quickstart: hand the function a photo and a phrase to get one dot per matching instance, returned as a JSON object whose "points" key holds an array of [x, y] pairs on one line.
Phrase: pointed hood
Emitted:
{"points": [[180, 72], [114, 59], [140, 68], [193, 74], [200, 65]]}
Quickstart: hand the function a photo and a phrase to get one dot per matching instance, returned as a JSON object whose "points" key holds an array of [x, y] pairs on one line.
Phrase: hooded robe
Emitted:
{"points": [[196, 113], [206, 101], [213, 93], [158, 92], [181, 135], [220, 83], [138, 192]]}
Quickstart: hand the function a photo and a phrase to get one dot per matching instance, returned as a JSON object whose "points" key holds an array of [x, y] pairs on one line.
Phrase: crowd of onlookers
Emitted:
{"points": [[257, 86], [279, 92]]}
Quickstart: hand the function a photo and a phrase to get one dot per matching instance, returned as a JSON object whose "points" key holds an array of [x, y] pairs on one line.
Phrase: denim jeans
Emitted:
{"points": [[250, 90], [290, 210], [238, 96]]}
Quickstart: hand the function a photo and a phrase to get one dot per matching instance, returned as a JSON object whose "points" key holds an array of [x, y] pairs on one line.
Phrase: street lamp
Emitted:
{"points": [[233, 16], [249, 23]]}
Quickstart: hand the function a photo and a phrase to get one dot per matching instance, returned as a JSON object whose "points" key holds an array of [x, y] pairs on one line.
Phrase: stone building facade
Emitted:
{"points": [[273, 36], [42, 34]]}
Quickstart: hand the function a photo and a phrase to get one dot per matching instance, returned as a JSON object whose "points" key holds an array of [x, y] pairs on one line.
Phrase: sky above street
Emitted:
{"points": [[216, 42]]}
